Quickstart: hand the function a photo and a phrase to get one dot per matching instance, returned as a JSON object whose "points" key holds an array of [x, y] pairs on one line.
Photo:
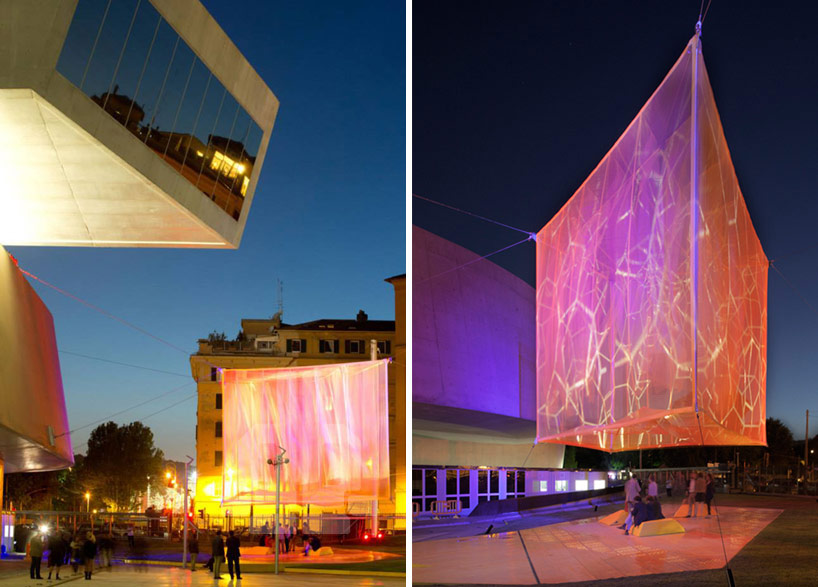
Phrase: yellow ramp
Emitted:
{"points": [[615, 519], [658, 528]]}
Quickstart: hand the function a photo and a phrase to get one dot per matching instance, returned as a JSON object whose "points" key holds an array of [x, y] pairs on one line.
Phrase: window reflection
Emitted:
{"points": [[131, 63]]}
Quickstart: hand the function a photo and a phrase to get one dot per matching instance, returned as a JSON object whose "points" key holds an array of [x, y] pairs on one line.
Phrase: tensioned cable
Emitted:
{"points": [[103, 312], [173, 405], [795, 289], [147, 401], [123, 364], [531, 235], [718, 517], [525, 240]]}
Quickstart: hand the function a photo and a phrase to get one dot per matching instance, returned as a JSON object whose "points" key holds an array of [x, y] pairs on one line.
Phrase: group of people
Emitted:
{"points": [[79, 551], [217, 559], [700, 492], [286, 537], [641, 511]]}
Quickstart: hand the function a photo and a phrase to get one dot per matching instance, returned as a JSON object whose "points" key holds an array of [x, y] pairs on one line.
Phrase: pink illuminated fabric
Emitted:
{"points": [[331, 419], [626, 297]]}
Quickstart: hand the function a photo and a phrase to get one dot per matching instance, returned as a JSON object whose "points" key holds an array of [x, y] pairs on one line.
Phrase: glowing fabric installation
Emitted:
{"points": [[644, 274], [331, 419]]}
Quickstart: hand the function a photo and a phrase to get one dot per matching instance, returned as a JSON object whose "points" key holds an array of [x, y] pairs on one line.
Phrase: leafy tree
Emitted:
{"points": [[118, 462], [32, 491]]}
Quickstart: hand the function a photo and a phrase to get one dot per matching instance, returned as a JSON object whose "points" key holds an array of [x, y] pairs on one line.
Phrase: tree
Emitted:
{"points": [[118, 463]]}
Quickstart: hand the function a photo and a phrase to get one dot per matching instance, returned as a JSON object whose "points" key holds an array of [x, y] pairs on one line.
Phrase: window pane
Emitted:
{"points": [[80, 39], [510, 487], [420, 504], [430, 484], [495, 482], [417, 482], [214, 103], [157, 72], [218, 401], [451, 482], [464, 481], [521, 482], [181, 140], [100, 76], [482, 482], [170, 99], [120, 103], [465, 501]]}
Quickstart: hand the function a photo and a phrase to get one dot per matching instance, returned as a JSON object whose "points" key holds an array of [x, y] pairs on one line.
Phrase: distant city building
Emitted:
{"points": [[128, 124], [270, 343]]}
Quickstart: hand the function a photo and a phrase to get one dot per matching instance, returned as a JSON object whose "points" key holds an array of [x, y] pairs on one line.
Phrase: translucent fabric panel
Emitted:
{"points": [[331, 419], [628, 301]]}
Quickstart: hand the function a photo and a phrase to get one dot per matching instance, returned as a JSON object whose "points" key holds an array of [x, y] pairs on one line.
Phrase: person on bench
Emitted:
{"points": [[639, 514], [654, 509]]}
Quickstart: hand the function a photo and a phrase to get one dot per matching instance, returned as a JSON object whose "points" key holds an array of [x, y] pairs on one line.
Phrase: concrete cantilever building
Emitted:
{"points": [[126, 123]]}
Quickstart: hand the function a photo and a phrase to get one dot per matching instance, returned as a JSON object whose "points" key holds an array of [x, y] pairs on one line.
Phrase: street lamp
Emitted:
{"points": [[88, 502], [279, 460]]}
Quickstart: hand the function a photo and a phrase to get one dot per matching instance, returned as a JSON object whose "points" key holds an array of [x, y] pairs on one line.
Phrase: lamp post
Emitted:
{"points": [[184, 518], [279, 460], [87, 502]]}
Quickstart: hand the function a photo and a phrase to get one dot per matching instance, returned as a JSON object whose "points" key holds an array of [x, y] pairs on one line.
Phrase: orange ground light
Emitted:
{"points": [[585, 550]]}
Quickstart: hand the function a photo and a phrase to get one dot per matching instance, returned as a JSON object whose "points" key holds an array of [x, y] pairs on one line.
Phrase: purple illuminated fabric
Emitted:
{"points": [[633, 290], [331, 419]]}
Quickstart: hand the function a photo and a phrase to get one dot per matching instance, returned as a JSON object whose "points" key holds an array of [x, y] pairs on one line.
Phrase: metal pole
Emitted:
{"points": [[806, 451], [279, 460], [373, 355], [184, 518], [278, 501]]}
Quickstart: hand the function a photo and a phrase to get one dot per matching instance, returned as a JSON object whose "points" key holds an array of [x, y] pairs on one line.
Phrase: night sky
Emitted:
{"points": [[328, 219], [514, 104]]}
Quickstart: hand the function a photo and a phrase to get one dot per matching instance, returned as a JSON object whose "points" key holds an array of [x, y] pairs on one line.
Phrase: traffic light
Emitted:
{"points": [[201, 513]]}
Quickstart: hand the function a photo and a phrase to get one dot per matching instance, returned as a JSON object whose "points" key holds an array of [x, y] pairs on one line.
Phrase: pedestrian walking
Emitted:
{"points": [[217, 549], [669, 486], [56, 553], [233, 554], [89, 551], [292, 533], [193, 548], [691, 496], [709, 492], [653, 487], [287, 538], [76, 553], [35, 551]]}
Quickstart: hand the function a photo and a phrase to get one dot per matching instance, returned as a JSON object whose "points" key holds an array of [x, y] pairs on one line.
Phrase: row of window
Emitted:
{"points": [[490, 485], [327, 345]]}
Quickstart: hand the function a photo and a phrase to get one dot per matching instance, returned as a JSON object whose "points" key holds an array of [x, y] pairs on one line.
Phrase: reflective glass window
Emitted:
{"points": [[120, 101], [169, 103], [451, 482], [79, 41], [210, 111], [129, 61], [109, 48]]}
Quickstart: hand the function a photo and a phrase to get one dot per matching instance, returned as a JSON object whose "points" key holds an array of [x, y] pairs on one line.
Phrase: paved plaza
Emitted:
{"points": [[585, 550], [163, 576]]}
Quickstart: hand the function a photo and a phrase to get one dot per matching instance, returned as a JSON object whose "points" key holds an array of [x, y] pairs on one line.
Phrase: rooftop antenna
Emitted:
{"points": [[280, 287]]}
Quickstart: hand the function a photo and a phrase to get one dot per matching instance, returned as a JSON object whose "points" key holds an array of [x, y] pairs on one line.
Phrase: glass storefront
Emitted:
{"points": [[130, 62]]}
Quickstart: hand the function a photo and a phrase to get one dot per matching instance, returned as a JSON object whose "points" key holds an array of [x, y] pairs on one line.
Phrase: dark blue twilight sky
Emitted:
{"points": [[328, 219], [515, 103]]}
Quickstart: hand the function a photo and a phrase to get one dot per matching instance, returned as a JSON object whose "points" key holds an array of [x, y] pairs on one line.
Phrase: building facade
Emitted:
{"points": [[126, 123], [271, 343], [474, 384]]}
